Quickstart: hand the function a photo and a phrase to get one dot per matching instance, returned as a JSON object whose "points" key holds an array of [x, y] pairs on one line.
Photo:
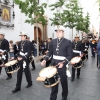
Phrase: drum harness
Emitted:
{"points": [[24, 62], [63, 58], [3, 57]]}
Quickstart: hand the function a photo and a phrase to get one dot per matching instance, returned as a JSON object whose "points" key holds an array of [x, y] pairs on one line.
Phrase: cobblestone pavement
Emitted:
{"points": [[85, 88]]}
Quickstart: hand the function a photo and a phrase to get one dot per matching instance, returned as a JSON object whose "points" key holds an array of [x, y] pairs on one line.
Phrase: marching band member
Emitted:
{"points": [[86, 47], [61, 50], [98, 56], [48, 45], [77, 51], [4, 49], [93, 45], [32, 62], [23, 61]]}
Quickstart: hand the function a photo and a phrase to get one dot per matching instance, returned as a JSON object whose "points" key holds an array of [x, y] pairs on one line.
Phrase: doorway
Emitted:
{"points": [[39, 35]]}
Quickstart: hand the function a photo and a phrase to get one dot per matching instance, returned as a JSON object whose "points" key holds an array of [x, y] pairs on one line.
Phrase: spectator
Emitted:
{"points": [[11, 49]]}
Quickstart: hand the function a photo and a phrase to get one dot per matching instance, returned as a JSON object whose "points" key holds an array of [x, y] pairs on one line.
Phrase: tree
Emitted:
{"points": [[57, 20], [30, 7], [87, 23], [98, 1], [71, 17], [68, 16], [80, 20]]}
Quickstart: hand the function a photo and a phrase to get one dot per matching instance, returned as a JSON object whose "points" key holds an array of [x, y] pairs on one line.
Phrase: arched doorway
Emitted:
{"points": [[39, 34]]}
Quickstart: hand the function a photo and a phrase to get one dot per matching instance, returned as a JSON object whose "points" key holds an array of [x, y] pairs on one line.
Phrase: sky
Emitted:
{"points": [[92, 7]]}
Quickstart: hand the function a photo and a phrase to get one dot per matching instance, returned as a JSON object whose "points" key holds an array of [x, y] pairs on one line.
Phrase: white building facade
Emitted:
{"points": [[12, 33]]}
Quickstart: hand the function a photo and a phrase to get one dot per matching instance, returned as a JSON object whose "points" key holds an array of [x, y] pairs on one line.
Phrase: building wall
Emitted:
{"points": [[13, 33], [50, 29]]}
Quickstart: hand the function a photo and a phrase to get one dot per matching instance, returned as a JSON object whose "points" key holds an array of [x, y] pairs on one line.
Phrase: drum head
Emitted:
{"points": [[10, 63], [48, 72], [75, 60]]}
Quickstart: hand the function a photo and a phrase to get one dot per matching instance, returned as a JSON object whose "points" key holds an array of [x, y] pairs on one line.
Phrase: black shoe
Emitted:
{"points": [[28, 85], [64, 99], [98, 67], [72, 79], [15, 90], [8, 78], [78, 77], [33, 68]]}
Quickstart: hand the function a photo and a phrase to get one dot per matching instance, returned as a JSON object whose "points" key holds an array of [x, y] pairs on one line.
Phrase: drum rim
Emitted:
{"points": [[8, 62], [75, 57], [13, 71], [78, 66], [48, 86], [49, 76]]}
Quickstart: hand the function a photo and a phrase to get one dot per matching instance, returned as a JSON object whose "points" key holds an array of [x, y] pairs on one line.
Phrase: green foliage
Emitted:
{"points": [[60, 3], [98, 1], [71, 16], [68, 17], [30, 7], [87, 22]]}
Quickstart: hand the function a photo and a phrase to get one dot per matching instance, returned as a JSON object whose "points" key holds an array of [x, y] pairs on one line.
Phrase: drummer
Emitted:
{"points": [[23, 60], [32, 62], [4, 49], [77, 51], [61, 50]]}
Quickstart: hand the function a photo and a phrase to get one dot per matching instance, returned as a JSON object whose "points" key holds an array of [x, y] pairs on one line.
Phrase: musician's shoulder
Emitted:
{"points": [[5, 40], [67, 40], [54, 40]]}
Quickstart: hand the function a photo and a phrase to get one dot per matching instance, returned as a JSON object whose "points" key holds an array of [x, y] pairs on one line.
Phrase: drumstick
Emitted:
{"points": [[57, 65], [59, 62]]}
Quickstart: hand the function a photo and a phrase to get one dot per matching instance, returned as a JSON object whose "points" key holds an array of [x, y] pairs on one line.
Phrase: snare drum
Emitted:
{"points": [[84, 57], [76, 62], [1, 60], [51, 76], [86, 53], [31, 58], [12, 66]]}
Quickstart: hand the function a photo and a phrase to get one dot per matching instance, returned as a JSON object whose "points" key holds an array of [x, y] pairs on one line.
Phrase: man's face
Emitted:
{"points": [[1, 36], [23, 37], [48, 40], [76, 38], [60, 33]]}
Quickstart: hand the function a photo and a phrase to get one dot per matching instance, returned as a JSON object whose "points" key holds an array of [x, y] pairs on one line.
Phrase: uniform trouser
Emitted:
{"points": [[48, 63], [73, 72], [9, 75], [33, 64], [98, 58], [64, 83], [93, 53], [20, 73]]}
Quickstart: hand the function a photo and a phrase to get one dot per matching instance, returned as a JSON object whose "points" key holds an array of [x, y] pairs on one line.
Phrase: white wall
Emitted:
{"points": [[50, 29], [13, 33], [93, 9]]}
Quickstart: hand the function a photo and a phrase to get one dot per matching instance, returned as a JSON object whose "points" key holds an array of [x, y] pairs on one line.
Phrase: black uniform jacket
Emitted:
{"points": [[64, 49], [5, 45], [26, 49], [79, 46]]}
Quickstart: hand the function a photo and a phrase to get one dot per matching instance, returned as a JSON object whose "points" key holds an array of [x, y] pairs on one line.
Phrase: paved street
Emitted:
{"points": [[85, 88]]}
